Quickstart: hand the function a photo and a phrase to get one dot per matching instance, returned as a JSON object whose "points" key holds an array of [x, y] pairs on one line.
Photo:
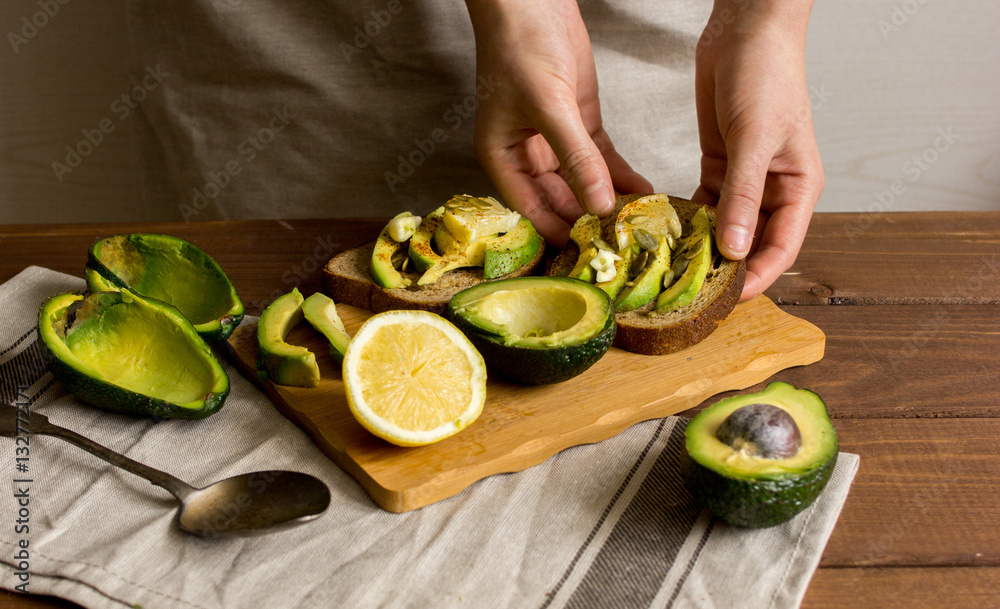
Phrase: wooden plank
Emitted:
{"points": [[264, 258], [523, 426], [899, 258], [925, 494], [905, 588], [895, 361]]}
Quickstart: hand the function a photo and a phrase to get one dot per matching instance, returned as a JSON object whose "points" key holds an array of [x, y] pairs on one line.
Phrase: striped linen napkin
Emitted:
{"points": [[607, 525]]}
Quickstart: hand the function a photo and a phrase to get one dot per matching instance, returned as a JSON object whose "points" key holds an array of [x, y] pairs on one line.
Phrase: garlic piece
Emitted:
{"points": [[403, 227]]}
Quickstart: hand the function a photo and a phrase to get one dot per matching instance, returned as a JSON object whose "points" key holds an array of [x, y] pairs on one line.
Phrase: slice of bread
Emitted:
{"points": [[347, 279], [646, 332]]}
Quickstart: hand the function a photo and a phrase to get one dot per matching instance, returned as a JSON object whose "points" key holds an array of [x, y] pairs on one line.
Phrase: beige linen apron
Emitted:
{"points": [[309, 108]]}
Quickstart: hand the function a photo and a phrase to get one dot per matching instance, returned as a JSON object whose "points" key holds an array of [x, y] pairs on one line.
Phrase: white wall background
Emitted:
{"points": [[906, 98]]}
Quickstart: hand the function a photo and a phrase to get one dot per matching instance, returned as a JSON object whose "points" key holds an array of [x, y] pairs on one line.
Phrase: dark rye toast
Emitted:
{"points": [[347, 279], [645, 332]]}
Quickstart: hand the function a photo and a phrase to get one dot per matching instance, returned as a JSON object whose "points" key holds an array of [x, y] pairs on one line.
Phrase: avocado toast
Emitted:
{"points": [[439, 257], [704, 286]]}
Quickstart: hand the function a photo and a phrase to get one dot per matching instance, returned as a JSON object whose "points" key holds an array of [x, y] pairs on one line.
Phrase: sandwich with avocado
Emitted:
{"points": [[655, 257], [420, 263]]}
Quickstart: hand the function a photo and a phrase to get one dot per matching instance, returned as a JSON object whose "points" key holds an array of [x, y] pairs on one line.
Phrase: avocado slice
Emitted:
{"points": [[172, 270], [686, 288], [422, 254], [613, 286], [321, 312], [285, 364], [497, 254], [474, 254], [536, 330], [512, 250], [653, 213], [648, 284], [585, 230], [386, 249], [121, 351], [744, 464]]}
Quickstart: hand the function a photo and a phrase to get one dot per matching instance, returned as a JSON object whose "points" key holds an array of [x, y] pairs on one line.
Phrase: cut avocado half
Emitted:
{"points": [[172, 270], [536, 330], [699, 243], [321, 313], [735, 479], [120, 351], [284, 363], [385, 252]]}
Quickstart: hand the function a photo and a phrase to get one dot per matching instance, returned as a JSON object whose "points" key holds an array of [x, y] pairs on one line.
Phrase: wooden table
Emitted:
{"points": [[910, 304]]}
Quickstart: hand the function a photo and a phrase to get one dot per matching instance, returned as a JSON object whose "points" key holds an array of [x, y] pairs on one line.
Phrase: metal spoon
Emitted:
{"points": [[248, 504]]}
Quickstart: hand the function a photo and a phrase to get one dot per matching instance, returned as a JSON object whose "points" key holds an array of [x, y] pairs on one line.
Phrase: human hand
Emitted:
{"points": [[539, 135], [759, 160]]}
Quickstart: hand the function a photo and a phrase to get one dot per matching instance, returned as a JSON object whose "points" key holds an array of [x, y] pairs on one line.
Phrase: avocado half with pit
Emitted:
{"points": [[120, 351], [536, 330], [757, 460], [172, 270]]}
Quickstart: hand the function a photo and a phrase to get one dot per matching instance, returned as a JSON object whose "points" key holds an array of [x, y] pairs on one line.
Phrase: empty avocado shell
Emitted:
{"points": [[172, 270], [120, 351]]}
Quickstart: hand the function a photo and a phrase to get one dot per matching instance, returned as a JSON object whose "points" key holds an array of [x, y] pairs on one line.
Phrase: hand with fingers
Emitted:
{"points": [[760, 162], [539, 135]]}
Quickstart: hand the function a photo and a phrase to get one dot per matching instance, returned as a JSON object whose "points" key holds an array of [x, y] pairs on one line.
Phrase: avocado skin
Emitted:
{"points": [[754, 504], [555, 361], [100, 277], [102, 394], [533, 366], [757, 500], [112, 397]]}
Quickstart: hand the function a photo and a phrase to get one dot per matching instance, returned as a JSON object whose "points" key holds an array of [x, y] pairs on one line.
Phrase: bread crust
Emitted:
{"points": [[347, 279], [641, 332]]}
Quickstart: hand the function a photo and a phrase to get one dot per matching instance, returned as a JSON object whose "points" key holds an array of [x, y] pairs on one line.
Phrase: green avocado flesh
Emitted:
{"points": [[536, 330], [321, 313], [422, 254], [753, 491], [686, 288], [647, 285], [120, 351], [284, 363], [386, 249], [433, 251], [584, 231], [172, 270], [512, 250]]}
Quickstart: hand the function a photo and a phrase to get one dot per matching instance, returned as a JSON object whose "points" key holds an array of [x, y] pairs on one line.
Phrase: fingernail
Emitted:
{"points": [[598, 199], [737, 240]]}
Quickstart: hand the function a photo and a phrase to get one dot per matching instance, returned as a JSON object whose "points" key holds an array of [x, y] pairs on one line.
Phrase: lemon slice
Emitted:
{"points": [[412, 378]]}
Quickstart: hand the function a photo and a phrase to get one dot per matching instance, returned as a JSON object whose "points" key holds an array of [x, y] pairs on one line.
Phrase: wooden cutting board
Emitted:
{"points": [[522, 426]]}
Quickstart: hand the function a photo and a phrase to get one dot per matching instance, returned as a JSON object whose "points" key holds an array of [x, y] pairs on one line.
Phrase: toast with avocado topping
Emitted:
{"points": [[657, 260], [420, 263]]}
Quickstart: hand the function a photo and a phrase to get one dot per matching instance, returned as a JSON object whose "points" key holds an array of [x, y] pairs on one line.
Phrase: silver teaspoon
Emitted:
{"points": [[248, 504]]}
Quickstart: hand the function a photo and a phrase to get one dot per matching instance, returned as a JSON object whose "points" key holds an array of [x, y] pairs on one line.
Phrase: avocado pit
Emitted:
{"points": [[761, 430]]}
